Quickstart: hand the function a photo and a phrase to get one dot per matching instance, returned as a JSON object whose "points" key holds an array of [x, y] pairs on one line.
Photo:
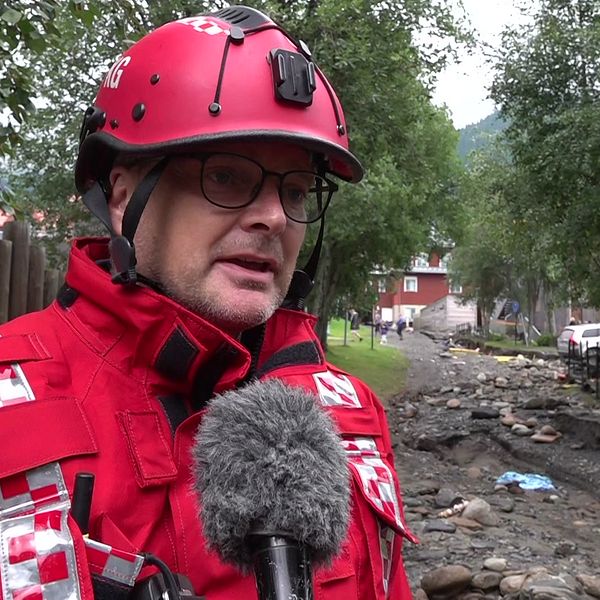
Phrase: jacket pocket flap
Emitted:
{"points": [[43, 431], [148, 447], [22, 347]]}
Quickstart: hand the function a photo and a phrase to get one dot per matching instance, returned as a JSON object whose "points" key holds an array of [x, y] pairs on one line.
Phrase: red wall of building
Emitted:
{"points": [[430, 287], [386, 299]]}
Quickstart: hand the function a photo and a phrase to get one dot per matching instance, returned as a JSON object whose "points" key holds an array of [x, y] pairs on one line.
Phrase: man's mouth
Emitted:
{"points": [[253, 265]]}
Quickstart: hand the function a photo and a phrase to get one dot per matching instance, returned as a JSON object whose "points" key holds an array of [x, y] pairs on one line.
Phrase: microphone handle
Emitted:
{"points": [[282, 568]]}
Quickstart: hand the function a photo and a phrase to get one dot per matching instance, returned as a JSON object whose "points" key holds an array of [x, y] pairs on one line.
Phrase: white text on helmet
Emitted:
{"points": [[203, 25], [113, 77]]}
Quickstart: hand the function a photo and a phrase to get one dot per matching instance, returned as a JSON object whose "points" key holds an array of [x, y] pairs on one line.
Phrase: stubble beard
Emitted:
{"points": [[224, 313], [189, 289], [228, 316]]}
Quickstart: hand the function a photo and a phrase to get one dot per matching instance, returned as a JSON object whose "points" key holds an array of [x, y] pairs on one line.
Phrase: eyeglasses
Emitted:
{"points": [[234, 181]]}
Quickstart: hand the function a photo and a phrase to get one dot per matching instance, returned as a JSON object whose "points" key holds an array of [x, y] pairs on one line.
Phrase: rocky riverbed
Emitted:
{"points": [[472, 433]]}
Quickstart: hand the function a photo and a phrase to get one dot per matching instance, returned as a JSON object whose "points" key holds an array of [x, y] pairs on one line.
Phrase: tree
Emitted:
{"points": [[481, 260], [26, 30], [40, 168], [547, 87]]}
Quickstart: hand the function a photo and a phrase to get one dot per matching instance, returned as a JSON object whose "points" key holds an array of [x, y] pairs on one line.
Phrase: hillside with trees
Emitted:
{"points": [[479, 135]]}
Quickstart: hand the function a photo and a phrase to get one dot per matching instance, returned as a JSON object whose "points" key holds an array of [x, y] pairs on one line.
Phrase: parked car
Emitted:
{"points": [[583, 340]]}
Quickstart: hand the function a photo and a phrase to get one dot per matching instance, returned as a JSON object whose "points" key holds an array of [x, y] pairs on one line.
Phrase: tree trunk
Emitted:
{"points": [[533, 292], [324, 293], [486, 313]]}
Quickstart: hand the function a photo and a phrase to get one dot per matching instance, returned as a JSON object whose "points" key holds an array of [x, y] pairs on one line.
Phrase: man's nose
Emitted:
{"points": [[266, 212]]}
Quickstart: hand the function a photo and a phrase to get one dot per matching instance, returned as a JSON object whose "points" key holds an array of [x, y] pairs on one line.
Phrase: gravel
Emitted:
{"points": [[454, 434]]}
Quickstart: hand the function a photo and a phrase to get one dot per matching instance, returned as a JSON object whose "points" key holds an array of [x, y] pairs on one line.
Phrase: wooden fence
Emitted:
{"points": [[25, 282]]}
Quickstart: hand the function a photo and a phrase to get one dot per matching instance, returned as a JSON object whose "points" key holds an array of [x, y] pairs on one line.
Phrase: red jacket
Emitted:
{"points": [[112, 380]]}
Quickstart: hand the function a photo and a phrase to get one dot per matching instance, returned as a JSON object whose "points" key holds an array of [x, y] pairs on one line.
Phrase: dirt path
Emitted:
{"points": [[453, 440]]}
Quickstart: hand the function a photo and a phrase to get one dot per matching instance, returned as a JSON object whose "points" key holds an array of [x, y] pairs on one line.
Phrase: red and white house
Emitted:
{"points": [[425, 283]]}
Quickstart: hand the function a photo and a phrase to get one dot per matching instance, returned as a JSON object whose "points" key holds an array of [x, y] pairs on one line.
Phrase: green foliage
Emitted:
{"points": [[382, 78], [496, 337], [547, 339], [25, 29], [531, 220], [479, 135], [481, 261], [546, 86]]}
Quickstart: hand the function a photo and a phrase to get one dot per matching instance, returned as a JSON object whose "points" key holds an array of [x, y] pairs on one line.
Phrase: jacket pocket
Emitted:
{"points": [[337, 582]]}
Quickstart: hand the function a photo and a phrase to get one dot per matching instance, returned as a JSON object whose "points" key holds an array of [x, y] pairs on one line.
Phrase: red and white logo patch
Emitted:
{"points": [[14, 387], [336, 390], [375, 476], [204, 25]]}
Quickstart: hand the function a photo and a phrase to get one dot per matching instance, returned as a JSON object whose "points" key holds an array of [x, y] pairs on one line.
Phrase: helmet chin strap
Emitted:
{"points": [[303, 280], [121, 247]]}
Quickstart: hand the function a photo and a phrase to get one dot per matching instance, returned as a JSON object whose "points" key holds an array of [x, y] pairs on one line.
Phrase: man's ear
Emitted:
{"points": [[122, 185]]}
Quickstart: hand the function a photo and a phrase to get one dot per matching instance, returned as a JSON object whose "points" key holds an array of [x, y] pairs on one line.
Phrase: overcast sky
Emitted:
{"points": [[462, 87]]}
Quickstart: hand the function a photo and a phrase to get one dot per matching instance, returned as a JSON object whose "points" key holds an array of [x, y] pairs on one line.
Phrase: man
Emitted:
{"points": [[355, 325], [210, 146], [401, 325]]}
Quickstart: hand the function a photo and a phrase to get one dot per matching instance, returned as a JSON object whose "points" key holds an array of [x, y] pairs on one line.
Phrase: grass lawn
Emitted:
{"points": [[382, 367]]}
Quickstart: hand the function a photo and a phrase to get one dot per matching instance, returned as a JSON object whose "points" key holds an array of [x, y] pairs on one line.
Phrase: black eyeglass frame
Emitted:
{"points": [[332, 186]]}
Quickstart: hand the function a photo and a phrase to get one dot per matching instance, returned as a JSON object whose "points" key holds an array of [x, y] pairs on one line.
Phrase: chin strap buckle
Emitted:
{"points": [[300, 287], [122, 254]]}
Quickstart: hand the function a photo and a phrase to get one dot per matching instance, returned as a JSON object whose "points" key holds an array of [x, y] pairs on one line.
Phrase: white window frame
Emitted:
{"points": [[414, 280], [381, 286]]}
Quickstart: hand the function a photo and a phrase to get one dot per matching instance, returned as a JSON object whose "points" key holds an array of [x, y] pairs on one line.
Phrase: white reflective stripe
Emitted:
{"points": [[375, 476], [31, 490], [386, 542], [14, 387], [37, 553], [106, 561], [336, 390], [360, 446]]}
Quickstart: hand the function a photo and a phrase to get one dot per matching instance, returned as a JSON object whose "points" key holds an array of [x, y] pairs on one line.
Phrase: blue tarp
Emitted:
{"points": [[527, 481]]}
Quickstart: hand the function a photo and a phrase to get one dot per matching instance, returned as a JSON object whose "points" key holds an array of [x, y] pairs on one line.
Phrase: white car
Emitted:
{"points": [[583, 340]]}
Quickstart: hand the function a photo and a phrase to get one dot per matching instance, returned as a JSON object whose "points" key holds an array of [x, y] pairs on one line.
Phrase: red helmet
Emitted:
{"points": [[230, 76]]}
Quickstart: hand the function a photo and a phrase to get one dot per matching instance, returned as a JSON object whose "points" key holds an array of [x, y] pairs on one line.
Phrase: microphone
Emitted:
{"points": [[273, 484]]}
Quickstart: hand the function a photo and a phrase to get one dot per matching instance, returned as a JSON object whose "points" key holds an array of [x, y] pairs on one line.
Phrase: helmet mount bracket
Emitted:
{"points": [[294, 77]]}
